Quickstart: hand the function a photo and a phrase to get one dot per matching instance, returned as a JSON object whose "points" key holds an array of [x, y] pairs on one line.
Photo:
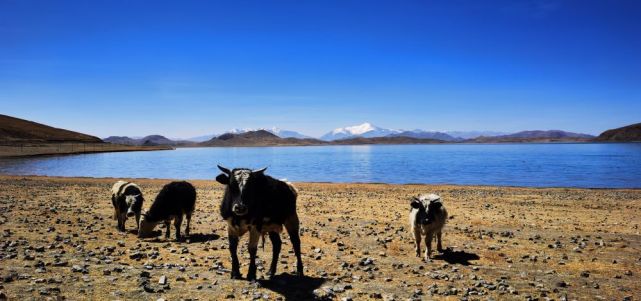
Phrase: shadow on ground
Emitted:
{"points": [[201, 237], [293, 287], [158, 237], [456, 257]]}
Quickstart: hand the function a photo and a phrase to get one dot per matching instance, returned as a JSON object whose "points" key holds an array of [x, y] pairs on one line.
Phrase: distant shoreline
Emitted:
{"points": [[20, 150], [65, 148]]}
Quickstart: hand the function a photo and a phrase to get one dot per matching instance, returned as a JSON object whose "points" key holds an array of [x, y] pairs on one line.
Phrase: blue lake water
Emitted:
{"points": [[534, 165]]}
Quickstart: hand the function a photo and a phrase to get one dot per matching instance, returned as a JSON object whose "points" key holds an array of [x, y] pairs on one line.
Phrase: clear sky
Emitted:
{"points": [[188, 68]]}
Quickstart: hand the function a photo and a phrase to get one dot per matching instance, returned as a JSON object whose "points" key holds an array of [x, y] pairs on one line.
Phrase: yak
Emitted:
{"points": [[259, 204]]}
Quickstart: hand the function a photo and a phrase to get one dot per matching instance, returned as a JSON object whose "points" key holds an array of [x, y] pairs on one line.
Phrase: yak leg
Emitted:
{"points": [[178, 221], [138, 221], [254, 236], [439, 245], [167, 228], [417, 241], [428, 242], [121, 221], [233, 250], [293, 226], [188, 217], [274, 237]]}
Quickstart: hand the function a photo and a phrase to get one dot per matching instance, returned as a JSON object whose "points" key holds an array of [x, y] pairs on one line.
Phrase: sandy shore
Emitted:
{"points": [[58, 239]]}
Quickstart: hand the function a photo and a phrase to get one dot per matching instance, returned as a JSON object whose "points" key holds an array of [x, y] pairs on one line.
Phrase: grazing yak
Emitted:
{"points": [[427, 217], [173, 201], [126, 197], [259, 204]]}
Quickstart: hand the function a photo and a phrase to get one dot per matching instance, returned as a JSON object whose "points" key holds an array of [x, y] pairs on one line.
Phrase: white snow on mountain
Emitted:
{"points": [[366, 130]]}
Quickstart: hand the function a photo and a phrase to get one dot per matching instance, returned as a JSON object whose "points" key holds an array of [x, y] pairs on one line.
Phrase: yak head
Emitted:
{"points": [[147, 225], [428, 207], [134, 203], [242, 185]]}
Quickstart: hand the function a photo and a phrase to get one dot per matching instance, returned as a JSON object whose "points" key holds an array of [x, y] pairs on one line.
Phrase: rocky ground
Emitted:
{"points": [[59, 242]]}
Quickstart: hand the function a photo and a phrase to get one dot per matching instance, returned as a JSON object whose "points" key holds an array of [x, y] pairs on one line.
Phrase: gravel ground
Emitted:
{"points": [[59, 241]]}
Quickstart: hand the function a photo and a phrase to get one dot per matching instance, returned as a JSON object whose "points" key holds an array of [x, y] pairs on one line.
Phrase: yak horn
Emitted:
{"points": [[259, 170], [225, 170]]}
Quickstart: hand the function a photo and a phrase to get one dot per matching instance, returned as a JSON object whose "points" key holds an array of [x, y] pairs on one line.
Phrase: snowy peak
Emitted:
{"points": [[366, 130], [356, 129]]}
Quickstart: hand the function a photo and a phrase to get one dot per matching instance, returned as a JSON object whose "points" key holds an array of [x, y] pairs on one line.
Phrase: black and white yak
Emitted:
{"points": [[172, 202], [127, 199], [259, 204], [427, 218]]}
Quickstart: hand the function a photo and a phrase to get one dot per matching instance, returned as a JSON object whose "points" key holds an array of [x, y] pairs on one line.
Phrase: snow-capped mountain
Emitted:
{"points": [[366, 130]]}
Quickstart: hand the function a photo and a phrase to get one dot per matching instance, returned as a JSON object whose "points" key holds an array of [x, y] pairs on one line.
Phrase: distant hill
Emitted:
{"points": [[257, 138], [121, 140], [16, 130], [535, 136], [630, 133], [151, 140], [384, 140], [420, 134], [474, 134]]}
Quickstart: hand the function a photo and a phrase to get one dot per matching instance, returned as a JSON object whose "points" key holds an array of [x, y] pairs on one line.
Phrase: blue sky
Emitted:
{"points": [[187, 68]]}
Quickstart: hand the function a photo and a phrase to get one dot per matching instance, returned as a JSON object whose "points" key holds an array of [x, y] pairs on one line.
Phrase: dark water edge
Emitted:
{"points": [[580, 165]]}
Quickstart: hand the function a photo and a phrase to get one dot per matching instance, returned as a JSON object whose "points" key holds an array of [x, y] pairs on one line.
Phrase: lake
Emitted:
{"points": [[534, 165]]}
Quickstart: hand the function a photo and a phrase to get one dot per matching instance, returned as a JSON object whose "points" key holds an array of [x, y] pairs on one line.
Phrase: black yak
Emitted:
{"points": [[259, 204], [173, 201]]}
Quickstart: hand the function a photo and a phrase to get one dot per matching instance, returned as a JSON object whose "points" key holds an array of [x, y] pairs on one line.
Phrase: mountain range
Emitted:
{"points": [[364, 133], [150, 140], [535, 136], [14, 130], [274, 130]]}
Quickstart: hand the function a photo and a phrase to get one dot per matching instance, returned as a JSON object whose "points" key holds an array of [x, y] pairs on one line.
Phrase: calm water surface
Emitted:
{"points": [[536, 165]]}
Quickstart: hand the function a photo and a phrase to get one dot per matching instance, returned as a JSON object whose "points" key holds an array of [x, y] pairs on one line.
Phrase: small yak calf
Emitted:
{"points": [[127, 200], [427, 217], [258, 204], [173, 201]]}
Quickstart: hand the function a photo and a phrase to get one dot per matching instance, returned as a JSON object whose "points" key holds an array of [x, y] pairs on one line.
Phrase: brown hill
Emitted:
{"points": [[630, 133], [257, 138], [16, 130], [534, 136]]}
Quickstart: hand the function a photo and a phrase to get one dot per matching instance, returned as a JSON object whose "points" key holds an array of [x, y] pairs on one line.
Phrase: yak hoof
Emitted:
{"points": [[251, 277], [236, 275]]}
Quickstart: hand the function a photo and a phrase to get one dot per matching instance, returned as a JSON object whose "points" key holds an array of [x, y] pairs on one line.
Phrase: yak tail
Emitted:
{"points": [[262, 236]]}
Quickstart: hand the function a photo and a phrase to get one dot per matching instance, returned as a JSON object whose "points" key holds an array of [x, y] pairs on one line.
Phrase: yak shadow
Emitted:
{"points": [[456, 257], [201, 237], [293, 287], [159, 237]]}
